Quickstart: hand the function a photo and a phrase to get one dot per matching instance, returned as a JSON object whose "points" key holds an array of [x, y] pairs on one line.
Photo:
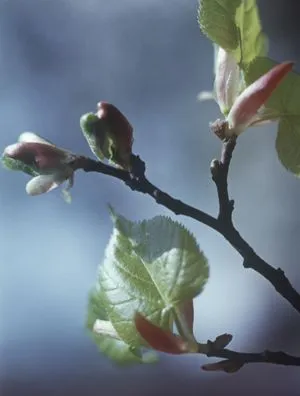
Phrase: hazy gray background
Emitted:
{"points": [[148, 57]]}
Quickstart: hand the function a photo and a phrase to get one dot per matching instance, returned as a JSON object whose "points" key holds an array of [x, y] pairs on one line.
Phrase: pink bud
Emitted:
{"points": [[120, 131], [49, 165], [159, 339], [44, 183], [245, 108], [227, 80], [41, 156]]}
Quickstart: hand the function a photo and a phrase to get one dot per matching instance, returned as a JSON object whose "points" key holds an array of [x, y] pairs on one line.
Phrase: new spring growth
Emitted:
{"points": [[160, 339], [245, 109], [48, 164], [109, 134], [227, 80]]}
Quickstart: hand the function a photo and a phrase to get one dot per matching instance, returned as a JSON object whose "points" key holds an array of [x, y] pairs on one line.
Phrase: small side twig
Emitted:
{"points": [[262, 357], [233, 361], [236, 360]]}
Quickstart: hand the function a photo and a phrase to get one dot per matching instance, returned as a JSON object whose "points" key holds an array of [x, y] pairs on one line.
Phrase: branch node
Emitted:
{"points": [[138, 166]]}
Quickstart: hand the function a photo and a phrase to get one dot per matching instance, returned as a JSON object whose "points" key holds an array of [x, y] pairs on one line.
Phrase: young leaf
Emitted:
{"points": [[159, 339], [217, 21], [235, 26], [150, 267], [15, 165], [115, 349], [253, 42], [288, 143], [285, 104]]}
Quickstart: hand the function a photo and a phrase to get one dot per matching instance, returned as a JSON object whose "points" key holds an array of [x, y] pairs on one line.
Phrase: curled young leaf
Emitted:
{"points": [[244, 112], [159, 339]]}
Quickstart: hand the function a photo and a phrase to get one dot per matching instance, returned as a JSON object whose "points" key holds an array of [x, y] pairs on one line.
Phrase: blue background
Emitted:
{"points": [[148, 57]]}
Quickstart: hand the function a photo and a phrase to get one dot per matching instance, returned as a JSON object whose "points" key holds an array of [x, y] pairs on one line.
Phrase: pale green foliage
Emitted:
{"points": [[115, 349], [285, 105], [149, 267], [253, 42], [217, 21], [235, 26], [88, 124], [220, 20]]}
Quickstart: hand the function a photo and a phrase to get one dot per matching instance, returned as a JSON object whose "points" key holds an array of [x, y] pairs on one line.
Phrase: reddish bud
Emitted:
{"points": [[244, 110], [159, 339], [109, 134], [41, 156]]}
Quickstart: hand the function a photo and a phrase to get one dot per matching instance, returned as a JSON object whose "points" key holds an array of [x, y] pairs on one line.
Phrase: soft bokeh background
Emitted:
{"points": [[148, 57]]}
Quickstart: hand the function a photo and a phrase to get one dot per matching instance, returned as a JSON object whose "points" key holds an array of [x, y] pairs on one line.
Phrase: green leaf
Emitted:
{"points": [[253, 42], [150, 267], [217, 21], [284, 104], [17, 165], [113, 348], [235, 26], [88, 125], [288, 143]]}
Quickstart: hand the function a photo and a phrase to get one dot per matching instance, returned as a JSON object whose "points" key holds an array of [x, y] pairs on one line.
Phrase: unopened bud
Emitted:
{"points": [[37, 157], [109, 134], [244, 112], [214, 167], [227, 80]]}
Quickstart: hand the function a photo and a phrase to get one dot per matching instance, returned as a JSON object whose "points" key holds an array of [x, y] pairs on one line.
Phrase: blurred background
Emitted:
{"points": [[57, 60]]}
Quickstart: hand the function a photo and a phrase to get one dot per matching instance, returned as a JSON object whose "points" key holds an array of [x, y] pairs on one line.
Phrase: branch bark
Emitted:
{"points": [[233, 361], [223, 224]]}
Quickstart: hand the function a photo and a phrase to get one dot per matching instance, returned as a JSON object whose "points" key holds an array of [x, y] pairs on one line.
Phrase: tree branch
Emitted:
{"points": [[236, 360], [276, 277], [262, 357], [137, 181]]}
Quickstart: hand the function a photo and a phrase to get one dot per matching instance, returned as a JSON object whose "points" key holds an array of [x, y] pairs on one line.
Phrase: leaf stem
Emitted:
{"points": [[185, 331]]}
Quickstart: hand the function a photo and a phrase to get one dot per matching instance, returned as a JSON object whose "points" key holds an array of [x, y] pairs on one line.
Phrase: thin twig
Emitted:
{"points": [[262, 357], [235, 360]]}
